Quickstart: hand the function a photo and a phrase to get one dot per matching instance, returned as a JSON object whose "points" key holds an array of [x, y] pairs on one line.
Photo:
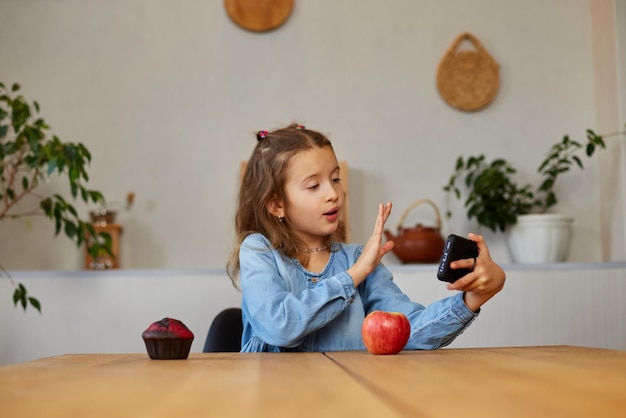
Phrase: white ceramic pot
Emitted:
{"points": [[540, 238]]}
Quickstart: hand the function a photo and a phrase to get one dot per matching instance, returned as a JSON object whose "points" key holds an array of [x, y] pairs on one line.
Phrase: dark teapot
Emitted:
{"points": [[420, 244]]}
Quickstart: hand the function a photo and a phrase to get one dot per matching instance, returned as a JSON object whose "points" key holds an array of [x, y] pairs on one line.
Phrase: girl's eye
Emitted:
{"points": [[337, 180], [313, 187]]}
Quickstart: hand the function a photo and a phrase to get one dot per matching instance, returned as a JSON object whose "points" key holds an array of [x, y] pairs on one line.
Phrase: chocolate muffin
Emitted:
{"points": [[168, 339]]}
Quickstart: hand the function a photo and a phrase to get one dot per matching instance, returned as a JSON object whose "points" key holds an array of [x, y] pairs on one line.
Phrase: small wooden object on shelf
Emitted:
{"points": [[104, 221]]}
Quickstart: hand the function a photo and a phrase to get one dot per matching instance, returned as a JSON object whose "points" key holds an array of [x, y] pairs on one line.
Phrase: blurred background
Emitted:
{"points": [[168, 97]]}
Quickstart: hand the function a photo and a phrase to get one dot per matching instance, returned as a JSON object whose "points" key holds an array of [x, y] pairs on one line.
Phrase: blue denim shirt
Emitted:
{"points": [[287, 308]]}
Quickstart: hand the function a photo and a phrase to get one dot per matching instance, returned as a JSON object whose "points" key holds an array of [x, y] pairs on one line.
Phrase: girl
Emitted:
{"points": [[302, 289]]}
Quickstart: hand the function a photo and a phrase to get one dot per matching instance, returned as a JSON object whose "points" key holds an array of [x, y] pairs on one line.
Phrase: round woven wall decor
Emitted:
{"points": [[259, 15], [468, 79]]}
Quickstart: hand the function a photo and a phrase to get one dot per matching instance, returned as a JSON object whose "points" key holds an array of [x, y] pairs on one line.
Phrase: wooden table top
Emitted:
{"points": [[552, 381], [204, 385], [486, 382]]}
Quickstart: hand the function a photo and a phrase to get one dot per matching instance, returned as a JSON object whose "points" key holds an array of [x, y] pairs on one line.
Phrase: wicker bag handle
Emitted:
{"points": [[417, 203], [466, 36]]}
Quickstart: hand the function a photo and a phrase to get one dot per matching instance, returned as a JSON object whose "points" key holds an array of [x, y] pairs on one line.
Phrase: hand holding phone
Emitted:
{"points": [[455, 248]]}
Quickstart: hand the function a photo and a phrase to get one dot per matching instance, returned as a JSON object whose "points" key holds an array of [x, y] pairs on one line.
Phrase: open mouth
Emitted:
{"points": [[332, 215]]}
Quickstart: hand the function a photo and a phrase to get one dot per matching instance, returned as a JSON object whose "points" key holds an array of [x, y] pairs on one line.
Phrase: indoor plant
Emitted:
{"points": [[29, 155], [496, 201]]}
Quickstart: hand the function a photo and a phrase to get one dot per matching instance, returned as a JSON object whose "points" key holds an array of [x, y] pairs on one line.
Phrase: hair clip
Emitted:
{"points": [[260, 136], [300, 127]]}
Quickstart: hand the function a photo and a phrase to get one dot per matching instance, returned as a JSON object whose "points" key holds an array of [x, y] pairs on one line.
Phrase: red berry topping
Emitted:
{"points": [[168, 327]]}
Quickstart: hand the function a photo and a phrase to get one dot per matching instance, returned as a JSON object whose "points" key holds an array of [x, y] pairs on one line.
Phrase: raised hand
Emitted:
{"points": [[374, 249]]}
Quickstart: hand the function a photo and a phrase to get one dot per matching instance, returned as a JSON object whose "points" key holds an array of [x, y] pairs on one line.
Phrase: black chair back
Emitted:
{"points": [[225, 332]]}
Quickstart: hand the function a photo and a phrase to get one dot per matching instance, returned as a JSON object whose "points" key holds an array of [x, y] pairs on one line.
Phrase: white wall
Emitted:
{"points": [[106, 312], [167, 96]]}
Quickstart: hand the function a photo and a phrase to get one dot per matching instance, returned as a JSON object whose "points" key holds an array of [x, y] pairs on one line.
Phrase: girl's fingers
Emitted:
{"points": [[383, 214], [387, 246], [387, 211], [467, 263]]}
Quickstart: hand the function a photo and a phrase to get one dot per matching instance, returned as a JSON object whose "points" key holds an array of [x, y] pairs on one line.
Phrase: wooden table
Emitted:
{"points": [[485, 382], [556, 381]]}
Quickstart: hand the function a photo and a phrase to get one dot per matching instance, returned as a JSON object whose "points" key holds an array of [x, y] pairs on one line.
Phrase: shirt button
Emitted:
{"points": [[314, 280]]}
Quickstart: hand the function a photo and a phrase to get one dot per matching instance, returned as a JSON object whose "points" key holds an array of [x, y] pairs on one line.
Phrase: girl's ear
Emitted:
{"points": [[276, 207]]}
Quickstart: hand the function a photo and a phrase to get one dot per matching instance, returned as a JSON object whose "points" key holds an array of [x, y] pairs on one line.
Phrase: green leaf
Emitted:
{"points": [[542, 166], [96, 197], [52, 165], [469, 180], [73, 174], [90, 229], [600, 142], [550, 200], [577, 160], [19, 295], [107, 242], [57, 221], [21, 113], [72, 210], [59, 198], [35, 303], [591, 135], [70, 230], [46, 206], [564, 161], [15, 87], [498, 163]]}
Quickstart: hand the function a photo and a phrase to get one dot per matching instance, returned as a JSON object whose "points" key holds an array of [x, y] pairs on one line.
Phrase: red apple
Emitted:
{"points": [[385, 332]]}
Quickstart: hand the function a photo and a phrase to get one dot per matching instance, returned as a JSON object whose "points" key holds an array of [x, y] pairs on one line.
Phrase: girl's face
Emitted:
{"points": [[314, 195]]}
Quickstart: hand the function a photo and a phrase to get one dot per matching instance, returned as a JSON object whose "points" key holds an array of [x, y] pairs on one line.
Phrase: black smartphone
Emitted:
{"points": [[456, 248]]}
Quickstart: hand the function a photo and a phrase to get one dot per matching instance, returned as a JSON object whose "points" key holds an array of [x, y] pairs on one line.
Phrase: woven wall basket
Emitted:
{"points": [[468, 79], [259, 15]]}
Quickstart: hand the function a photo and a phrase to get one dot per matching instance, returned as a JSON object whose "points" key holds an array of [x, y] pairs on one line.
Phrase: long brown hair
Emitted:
{"points": [[263, 180]]}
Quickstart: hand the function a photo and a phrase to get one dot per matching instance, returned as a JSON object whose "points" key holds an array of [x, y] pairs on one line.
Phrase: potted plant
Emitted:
{"points": [[496, 201], [29, 156]]}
